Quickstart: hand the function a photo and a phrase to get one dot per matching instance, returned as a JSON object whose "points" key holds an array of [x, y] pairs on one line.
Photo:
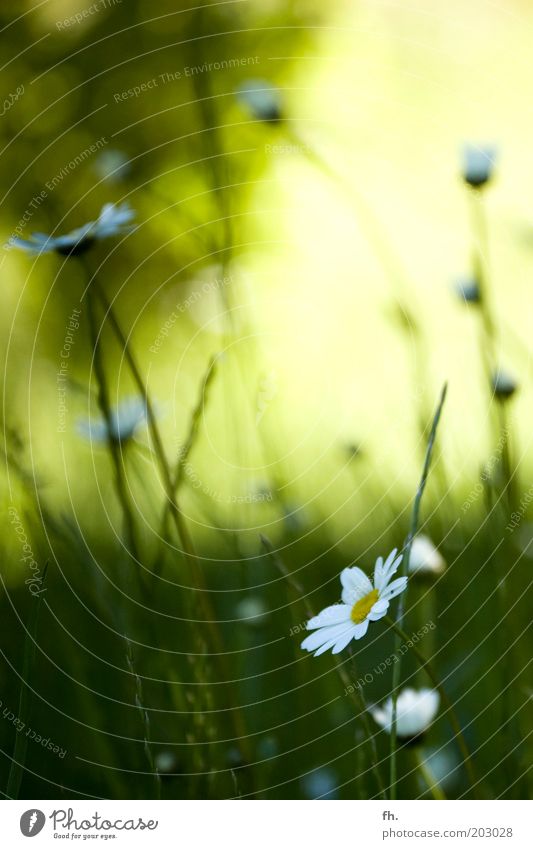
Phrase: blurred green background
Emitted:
{"points": [[317, 259]]}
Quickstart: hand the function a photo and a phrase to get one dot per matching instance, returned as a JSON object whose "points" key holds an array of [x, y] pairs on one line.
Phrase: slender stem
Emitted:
{"points": [[427, 773], [404, 570], [454, 722], [393, 269], [211, 622]]}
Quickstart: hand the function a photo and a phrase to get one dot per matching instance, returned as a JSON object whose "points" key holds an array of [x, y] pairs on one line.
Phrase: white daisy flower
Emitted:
{"points": [[262, 99], [415, 711], [425, 557], [114, 220], [126, 419], [478, 163], [362, 602]]}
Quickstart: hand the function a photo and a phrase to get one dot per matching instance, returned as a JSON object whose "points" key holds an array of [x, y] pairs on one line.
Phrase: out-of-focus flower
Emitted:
{"points": [[468, 290], [478, 164], [126, 419], [425, 557], [262, 99], [363, 602], [320, 784], [252, 611], [112, 166], [503, 385], [166, 762], [114, 220], [415, 711]]}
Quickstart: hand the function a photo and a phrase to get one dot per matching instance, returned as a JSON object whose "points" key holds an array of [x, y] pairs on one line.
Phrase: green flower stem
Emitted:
{"points": [[356, 696], [452, 717], [404, 570], [427, 774], [394, 271], [489, 338]]}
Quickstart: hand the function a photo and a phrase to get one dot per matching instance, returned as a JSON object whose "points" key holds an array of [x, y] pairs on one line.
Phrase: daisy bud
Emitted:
{"points": [[503, 385], [262, 99], [425, 557], [478, 163], [415, 711], [468, 290]]}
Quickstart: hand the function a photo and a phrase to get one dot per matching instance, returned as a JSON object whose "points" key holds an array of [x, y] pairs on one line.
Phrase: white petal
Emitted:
{"points": [[332, 615], [324, 635], [355, 584]]}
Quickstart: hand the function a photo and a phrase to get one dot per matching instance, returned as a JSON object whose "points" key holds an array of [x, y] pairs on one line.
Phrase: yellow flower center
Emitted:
{"points": [[362, 608]]}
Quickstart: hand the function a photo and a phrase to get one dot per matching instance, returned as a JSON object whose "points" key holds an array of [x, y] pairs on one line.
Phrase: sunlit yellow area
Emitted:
{"points": [[299, 267]]}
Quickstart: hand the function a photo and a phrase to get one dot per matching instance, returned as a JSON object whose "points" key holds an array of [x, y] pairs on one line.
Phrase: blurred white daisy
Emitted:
{"points": [[126, 419], [425, 557], [114, 220], [262, 99], [112, 166], [415, 711], [363, 602], [478, 164]]}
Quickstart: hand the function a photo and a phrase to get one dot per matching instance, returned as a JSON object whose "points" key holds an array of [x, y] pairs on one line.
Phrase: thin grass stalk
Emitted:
{"points": [[114, 446], [185, 451], [427, 774], [404, 570], [18, 761], [357, 697], [210, 622], [122, 492]]}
